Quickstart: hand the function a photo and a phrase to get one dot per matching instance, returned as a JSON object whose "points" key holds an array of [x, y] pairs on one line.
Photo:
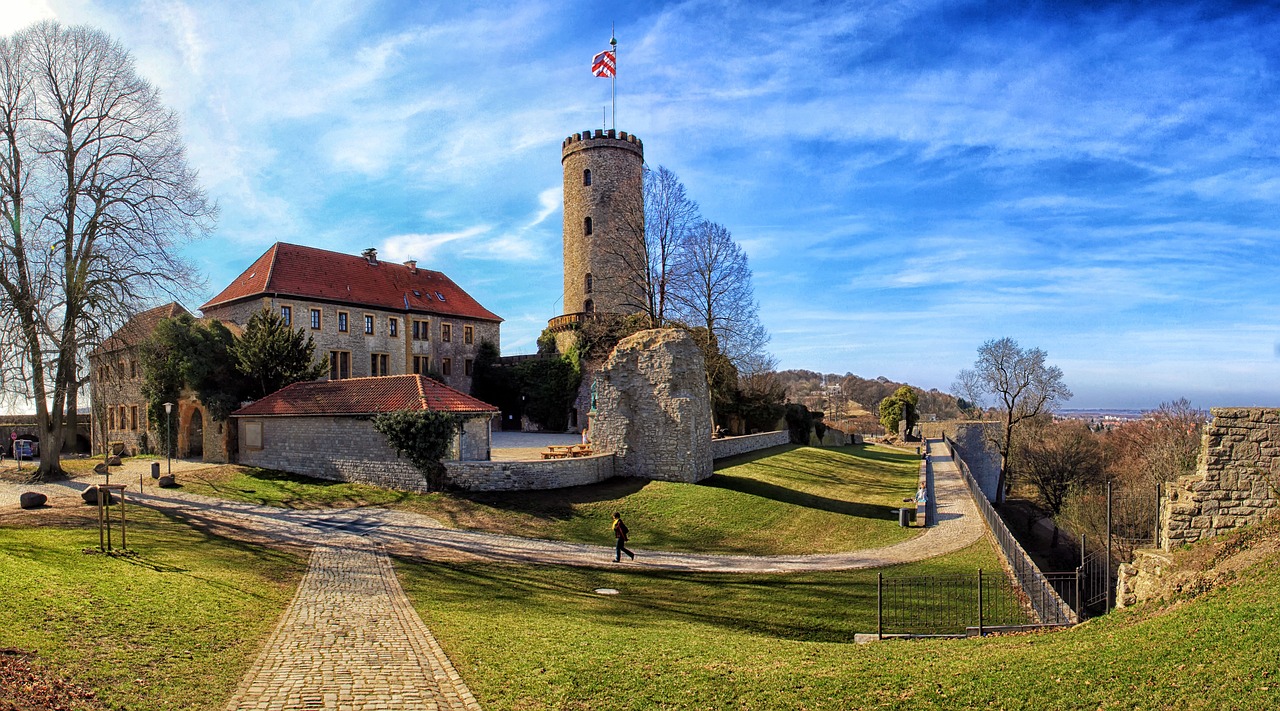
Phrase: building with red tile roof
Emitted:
{"points": [[325, 428], [367, 317], [365, 396]]}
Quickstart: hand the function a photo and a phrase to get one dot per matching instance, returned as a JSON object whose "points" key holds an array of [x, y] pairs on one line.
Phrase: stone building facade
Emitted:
{"points": [[653, 410], [368, 317], [118, 410], [324, 429]]}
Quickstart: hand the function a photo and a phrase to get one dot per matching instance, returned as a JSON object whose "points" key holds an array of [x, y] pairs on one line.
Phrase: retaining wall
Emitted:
{"points": [[529, 475], [733, 446]]}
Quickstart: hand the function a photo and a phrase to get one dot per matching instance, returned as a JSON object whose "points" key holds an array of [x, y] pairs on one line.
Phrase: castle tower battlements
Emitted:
{"points": [[603, 221]]}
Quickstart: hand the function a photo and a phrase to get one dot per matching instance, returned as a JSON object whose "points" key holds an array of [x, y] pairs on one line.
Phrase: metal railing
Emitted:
{"points": [[1040, 592], [947, 605]]}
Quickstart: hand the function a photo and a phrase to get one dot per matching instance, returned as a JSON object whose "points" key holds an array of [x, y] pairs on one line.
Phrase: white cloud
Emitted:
{"points": [[423, 246], [20, 13]]}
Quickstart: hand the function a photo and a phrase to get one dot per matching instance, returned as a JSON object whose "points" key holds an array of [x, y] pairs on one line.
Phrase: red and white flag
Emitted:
{"points": [[603, 64]]}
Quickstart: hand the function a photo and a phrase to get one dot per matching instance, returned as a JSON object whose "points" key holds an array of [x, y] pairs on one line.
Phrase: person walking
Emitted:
{"points": [[620, 533]]}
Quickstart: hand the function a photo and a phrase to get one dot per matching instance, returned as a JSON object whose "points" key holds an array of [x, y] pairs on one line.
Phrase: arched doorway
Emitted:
{"points": [[195, 435]]}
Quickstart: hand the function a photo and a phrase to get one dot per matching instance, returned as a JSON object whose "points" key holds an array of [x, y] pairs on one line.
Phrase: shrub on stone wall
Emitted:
{"points": [[423, 436], [799, 423]]}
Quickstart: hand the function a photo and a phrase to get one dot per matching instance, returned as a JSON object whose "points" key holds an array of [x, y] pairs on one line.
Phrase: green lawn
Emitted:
{"points": [[787, 500], [172, 627], [539, 638]]}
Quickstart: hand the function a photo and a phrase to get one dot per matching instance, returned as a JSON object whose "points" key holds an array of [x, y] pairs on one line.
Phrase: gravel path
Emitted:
{"points": [[958, 526]]}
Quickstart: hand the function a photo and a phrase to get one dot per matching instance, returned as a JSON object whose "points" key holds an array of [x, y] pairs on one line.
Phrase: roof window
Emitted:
{"points": [[440, 296], [417, 293]]}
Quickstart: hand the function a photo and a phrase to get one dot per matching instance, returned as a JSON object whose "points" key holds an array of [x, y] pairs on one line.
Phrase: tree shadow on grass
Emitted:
{"points": [[556, 504], [781, 494]]}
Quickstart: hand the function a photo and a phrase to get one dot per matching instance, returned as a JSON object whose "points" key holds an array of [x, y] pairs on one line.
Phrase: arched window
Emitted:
{"points": [[589, 306], [588, 284], [586, 177], [586, 225]]}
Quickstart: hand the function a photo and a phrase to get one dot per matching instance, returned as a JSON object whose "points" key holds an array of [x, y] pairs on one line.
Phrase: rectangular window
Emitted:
{"points": [[315, 319], [446, 332], [393, 327], [133, 369], [342, 322], [446, 366], [421, 365], [111, 418], [468, 335], [378, 363], [339, 365], [286, 315], [253, 435], [368, 324], [122, 421], [421, 330], [133, 417], [467, 367]]}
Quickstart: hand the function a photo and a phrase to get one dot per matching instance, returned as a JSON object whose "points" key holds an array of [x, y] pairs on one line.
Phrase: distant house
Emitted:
{"points": [[368, 317], [324, 429]]}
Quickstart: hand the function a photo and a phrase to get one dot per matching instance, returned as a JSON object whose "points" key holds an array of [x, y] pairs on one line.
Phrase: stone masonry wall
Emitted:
{"points": [[652, 408], [733, 446], [530, 475], [1236, 481], [974, 446], [334, 448], [614, 203]]}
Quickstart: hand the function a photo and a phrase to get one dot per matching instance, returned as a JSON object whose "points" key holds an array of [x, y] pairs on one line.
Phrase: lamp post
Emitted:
{"points": [[168, 439]]}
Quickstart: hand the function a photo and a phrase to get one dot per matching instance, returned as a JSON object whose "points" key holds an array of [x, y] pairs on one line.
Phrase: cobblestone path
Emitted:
{"points": [[350, 640]]}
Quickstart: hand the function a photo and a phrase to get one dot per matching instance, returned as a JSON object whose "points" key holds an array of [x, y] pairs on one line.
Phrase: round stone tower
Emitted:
{"points": [[603, 222]]}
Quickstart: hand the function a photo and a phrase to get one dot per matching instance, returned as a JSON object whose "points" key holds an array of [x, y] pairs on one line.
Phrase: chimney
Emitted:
{"points": [[412, 264], [370, 255]]}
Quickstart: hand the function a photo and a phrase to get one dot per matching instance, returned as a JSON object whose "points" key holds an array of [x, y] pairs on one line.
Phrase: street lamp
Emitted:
{"points": [[168, 438]]}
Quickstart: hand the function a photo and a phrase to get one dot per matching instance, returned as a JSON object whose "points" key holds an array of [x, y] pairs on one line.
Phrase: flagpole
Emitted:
{"points": [[613, 80]]}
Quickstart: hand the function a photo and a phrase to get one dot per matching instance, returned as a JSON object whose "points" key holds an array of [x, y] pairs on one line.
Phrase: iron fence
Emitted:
{"points": [[1042, 595], [948, 605]]}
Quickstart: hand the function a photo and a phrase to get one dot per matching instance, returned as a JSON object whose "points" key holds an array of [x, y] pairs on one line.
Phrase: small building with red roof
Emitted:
{"points": [[325, 428], [368, 317]]}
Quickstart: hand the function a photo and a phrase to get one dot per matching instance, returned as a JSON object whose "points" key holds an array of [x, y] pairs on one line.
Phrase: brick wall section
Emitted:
{"points": [[733, 446], [334, 448], [1236, 481], [531, 475]]}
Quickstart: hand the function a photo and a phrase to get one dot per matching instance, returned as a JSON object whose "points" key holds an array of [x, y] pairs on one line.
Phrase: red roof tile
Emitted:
{"points": [[139, 327], [310, 273], [365, 396]]}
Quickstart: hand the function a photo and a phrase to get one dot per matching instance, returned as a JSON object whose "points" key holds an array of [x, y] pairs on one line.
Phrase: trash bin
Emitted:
{"points": [[155, 470], [904, 517], [913, 515]]}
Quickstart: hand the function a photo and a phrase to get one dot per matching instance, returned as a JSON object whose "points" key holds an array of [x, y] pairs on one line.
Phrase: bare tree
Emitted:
{"points": [[1022, 385], [96, 194], [1059, 460], [711, 289], [642, 266]]}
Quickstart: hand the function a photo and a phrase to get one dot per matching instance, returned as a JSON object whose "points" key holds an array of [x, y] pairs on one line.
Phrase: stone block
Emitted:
{"points": [[32, 500]]}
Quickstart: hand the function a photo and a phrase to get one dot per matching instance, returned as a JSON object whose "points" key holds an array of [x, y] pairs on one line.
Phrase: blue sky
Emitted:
{"points": [[908, 179]]}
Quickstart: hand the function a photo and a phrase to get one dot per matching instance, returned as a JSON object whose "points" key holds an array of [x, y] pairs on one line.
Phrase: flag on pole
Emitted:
{"points": [[603, 64]]}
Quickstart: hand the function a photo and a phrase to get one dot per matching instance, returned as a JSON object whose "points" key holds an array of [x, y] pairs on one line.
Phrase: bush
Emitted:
{"points": [[424, 436], [799, 423]]}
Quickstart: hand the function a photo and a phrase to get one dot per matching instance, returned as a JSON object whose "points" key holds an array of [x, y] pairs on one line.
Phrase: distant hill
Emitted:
{"points": [[849, 395]]}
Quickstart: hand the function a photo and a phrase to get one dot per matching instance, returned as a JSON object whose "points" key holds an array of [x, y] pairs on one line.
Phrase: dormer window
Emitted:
{"points": [[586, 225], [586, 177]]}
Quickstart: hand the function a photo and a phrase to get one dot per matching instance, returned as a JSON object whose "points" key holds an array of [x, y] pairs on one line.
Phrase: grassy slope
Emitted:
{"points": [[785, 500], [680, 641], [170, 628]]}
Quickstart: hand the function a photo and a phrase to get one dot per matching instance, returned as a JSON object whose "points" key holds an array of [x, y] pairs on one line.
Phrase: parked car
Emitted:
{"points": [[25, 448]]}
